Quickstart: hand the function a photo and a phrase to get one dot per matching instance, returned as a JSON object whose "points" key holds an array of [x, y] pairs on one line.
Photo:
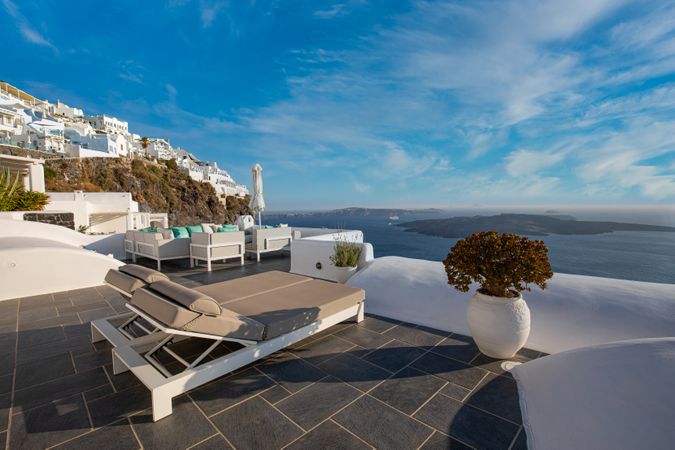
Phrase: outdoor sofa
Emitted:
{"points": [[216, 246], [263, 313], [264, 240]]}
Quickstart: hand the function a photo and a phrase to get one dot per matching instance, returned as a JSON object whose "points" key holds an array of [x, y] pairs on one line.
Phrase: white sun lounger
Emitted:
{"points": [[264, 313]]}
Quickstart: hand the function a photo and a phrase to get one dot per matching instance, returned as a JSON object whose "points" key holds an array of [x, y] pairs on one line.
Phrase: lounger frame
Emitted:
{"points": [[130, 354]]}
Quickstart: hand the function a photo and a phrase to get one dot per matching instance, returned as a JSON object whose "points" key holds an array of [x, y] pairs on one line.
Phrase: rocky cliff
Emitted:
{"points": [[156, 186]]}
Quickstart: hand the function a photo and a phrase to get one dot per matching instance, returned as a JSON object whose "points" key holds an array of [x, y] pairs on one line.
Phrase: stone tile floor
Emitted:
{"points": [[381, 383]]}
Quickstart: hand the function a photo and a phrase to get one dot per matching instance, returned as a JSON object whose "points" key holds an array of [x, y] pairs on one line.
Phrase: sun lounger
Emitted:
{"points": [[264, 313], [126, 280]]}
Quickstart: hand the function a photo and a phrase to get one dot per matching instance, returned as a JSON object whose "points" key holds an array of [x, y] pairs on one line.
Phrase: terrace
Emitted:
{"points": [[382, 383]]}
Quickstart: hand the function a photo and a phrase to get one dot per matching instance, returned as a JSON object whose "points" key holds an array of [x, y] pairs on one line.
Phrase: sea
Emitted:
{"points": [[631, 255]]}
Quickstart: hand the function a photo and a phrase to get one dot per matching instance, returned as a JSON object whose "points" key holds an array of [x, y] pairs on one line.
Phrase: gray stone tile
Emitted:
{"points": [[36, 301], [49, 424], [255, 424], [498, 366], [459, 347], [440, 441], [36, 372], [498, 395], [328, 435], [290, 371], [216, 442], [59, 388], [456, 392], [225, 392], [521, 441], [122, 381], [395, 355], [363, 337], [378, 324], [119, 405], [319, 401], [321, 350], [413, 335], [275, 394], [467, 424], [184, 428], [357, 372], [451, 370], [408, 389], [5, 403], [91, 360], [96, 393], [53, 321], [40, 313], [6, 383], [117, 435], [76, 345], [7, 363], [31, 338], [381, 425], [66, 309]]}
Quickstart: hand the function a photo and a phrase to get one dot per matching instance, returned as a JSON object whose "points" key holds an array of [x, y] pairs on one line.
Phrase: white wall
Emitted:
{"points": [[84, 204], [32, 266], [575, 311]]}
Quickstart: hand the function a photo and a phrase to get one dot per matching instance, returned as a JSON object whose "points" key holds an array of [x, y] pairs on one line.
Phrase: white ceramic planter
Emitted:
{"points": [[342, 274], [500, 326]]}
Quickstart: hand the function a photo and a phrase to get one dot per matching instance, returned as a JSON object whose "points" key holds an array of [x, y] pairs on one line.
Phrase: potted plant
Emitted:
{"points": [[504, 265], [345, 259]]}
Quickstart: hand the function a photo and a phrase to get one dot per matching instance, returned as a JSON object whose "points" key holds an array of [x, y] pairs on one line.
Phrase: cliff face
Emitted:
{"points": [[157, 187]]}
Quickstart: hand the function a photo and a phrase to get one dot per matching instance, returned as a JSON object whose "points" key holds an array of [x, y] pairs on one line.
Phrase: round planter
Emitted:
{"points": [[500, 326], [342, 274]]}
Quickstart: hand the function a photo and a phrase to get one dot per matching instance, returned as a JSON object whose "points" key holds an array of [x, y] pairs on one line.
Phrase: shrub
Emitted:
{"points": [[13, 196], [346, 254], [30, 200], [503, 264]]}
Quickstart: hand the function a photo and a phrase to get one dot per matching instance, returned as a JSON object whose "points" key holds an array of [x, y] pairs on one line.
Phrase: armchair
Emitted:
{"points": [[216, 246], [265, 240]]}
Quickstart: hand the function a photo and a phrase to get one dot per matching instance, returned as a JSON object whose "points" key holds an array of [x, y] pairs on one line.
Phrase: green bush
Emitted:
{"points": [[346, 254], [13, 196], [503, 264]]}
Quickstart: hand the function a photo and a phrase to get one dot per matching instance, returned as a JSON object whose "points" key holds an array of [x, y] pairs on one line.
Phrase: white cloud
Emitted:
{"points": [[29, 33], [524, 162], [360, 187], [209, 10]]}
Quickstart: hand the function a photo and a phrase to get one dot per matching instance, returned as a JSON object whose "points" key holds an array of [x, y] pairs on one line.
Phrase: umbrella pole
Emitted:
{"points": [[259, 220]]}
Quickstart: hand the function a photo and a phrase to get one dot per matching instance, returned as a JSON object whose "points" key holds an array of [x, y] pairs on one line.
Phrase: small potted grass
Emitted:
{"points": [[504, 265], [345, 259]]}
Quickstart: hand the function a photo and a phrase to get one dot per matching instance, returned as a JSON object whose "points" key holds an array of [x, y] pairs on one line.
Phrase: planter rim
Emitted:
{"points": [[500, 300]]}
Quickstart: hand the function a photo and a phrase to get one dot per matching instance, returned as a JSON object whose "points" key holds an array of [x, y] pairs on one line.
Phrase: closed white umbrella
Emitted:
{"points": [[257, 200]]}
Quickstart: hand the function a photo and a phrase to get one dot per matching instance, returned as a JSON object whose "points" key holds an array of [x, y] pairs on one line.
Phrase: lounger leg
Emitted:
{"points": [[96, 335], [133, 257], [192, 263], [118, 366], [208, 265], [159, 265], [257, 255], [362, 311], [242, 260], [161, 405]]}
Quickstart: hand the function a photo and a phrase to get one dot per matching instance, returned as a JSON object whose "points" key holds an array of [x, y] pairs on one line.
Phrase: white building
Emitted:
{"points": [[61, 109], [160, 149], [11, 123], [96, 145], [108, 124], [221, 181]]}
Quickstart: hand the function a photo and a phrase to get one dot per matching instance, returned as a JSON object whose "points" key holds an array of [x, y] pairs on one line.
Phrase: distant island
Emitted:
{"points": [[528, 224], [360, 212]]}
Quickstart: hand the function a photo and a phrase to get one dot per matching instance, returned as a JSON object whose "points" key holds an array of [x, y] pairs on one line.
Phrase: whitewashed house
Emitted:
{"points": [[108, 124], [61, 109], [160, 149], [11, 123], [96, 145]]}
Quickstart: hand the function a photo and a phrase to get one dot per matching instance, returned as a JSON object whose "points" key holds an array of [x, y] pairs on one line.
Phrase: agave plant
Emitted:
{"points": [[7, 189]]}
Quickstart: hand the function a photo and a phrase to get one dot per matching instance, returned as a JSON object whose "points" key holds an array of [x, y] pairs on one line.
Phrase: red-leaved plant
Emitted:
{"points": [[503, 264]]}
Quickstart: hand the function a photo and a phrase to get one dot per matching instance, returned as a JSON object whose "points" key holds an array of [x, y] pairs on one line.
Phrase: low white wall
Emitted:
{"points": [[306, 254], [31, 266], [575, 311], [104, 244], [329, 234]]}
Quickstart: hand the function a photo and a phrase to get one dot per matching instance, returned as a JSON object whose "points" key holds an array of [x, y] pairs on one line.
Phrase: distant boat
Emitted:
{"points": [[393, 217]]}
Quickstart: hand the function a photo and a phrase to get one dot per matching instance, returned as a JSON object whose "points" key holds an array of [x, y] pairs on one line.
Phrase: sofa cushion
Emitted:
{"points": [[226, 228], [191, 299], [194, 229], [207, 228], [180, 232]]}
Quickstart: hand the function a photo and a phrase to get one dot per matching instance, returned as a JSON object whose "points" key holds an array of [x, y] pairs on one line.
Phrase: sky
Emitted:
{"points": [[377, 103]]}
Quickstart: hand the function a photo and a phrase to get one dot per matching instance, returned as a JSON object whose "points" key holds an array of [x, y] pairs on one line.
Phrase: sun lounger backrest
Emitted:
{"points": [[191, 299], [130, 277]]}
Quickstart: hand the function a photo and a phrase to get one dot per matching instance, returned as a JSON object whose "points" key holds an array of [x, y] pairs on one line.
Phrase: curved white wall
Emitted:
{"points": [[575, 311], [30, 266], [105, 244]]}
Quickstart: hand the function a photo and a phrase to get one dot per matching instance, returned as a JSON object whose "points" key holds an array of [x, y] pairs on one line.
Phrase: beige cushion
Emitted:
{"points": [[166, 233], [130, 277], [191, 299], [207, 227], [240, 288]]}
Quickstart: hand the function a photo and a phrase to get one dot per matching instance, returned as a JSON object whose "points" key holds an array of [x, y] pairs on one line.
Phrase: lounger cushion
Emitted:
{"points": [[241, 288], [131, 277], [191, 299], [173, 315]]}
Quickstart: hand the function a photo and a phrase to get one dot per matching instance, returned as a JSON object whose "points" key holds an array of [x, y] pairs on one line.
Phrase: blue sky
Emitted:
{"points": [[377, 103]]}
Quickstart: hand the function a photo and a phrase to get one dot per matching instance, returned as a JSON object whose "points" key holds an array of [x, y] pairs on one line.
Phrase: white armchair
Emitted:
{"points": [[160, 248], [265, 240], [216, 246]]}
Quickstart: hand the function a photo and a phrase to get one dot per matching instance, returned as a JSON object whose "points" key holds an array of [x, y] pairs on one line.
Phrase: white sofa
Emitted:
{"points": [[160, 246], [216, 246]]}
